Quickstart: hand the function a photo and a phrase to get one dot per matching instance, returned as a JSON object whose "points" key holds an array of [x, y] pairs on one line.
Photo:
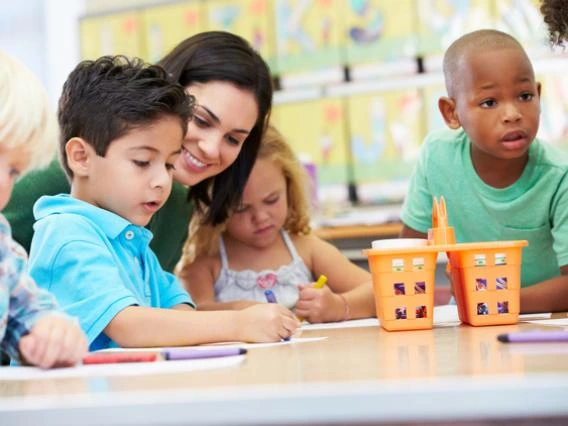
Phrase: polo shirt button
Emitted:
{"points": [[129, 235]]}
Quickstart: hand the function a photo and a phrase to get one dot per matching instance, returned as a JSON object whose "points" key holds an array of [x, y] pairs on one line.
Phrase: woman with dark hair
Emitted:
{"points": [[233, 91]]}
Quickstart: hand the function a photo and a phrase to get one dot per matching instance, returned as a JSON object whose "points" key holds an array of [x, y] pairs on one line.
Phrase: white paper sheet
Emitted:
{"points": [[122, 369], [559, 322], [530, 317], [292, 341], [445, 315]]}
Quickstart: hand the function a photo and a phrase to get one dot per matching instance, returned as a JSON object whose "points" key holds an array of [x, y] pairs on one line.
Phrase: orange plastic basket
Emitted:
{"points": [[403, 281], [486, 279]]}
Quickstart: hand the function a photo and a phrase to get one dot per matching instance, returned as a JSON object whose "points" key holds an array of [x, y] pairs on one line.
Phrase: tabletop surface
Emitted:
{"points": [[364, 374]]}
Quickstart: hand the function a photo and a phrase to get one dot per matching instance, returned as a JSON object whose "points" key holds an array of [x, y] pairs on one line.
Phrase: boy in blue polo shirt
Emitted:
{"points": [[122, 126], [498, 180]]}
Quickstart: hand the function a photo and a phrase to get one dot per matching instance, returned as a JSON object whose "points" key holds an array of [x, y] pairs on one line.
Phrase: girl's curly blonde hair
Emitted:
{"points": [[204, 239]]}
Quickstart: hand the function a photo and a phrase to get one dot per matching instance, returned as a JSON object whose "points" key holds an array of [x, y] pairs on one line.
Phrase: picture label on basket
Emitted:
{"points": [[500, 259], [482, 309], [501, 283], [480, 284], [420, 287], [418, 263], [502, 307], [397, 265], [399, 289], [400, 313], [479, 260]]}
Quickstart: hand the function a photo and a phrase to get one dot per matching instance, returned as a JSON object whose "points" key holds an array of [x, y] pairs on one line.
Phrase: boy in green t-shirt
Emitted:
{"points": [[499, 181]]}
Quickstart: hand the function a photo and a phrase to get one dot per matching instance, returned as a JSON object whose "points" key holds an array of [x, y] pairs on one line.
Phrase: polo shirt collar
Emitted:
{"points": [[110, 223]]}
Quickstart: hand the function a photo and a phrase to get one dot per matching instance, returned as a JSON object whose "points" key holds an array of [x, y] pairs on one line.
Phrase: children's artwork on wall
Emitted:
{"points": [[523, 20], [433, 117], [554, 107], [251, 19], [165, 26], [440, 22], [316, 131], [118, 33], [308, 34], [386, 131], [379, 31]]}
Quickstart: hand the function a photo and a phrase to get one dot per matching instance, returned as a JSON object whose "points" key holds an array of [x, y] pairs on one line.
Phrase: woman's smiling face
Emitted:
{"points": [[223, 118]]}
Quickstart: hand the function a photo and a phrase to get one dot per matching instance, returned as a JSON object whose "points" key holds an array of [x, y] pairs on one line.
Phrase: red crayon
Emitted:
{"points": [[115, 357]]}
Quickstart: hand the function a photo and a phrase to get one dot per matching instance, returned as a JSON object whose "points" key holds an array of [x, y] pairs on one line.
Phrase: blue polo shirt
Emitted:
{"points": [[96, 263]]}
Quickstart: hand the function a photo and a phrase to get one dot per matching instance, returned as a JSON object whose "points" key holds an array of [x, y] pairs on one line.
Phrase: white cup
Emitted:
{"points": [[391, 243]]}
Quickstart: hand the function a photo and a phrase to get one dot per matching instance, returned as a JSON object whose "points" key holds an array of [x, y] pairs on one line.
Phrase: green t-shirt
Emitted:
{"points": [[534, 208], [169, 225]]}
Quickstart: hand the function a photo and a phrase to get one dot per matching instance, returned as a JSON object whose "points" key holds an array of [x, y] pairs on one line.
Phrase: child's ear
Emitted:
{"points": [[447, 107], [538, 87], [79, 154]]}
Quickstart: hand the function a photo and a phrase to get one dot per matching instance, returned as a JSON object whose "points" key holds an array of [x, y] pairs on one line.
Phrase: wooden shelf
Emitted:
{"points": [[386, 230]]}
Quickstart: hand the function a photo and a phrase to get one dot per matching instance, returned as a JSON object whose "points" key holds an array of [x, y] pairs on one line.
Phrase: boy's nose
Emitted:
{"points": [[511, 113]]}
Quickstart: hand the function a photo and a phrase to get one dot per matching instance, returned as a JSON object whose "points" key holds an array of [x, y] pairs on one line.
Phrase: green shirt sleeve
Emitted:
{"points": [[170, 227], [19, 211]]}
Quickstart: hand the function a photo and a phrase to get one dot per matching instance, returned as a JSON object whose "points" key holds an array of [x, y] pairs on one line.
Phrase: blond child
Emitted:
{"points": [[266, 244], [499, 181], [123, 124], [32, 331]]}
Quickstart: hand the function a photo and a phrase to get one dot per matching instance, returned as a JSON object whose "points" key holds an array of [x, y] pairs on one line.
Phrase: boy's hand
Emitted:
{"points": [[319, 304], [53, 341], [266, 322]]}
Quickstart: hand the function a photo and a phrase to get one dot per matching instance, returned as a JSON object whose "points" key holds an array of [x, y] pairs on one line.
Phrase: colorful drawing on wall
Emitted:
{"points": [[316, 131], [433, 118], [440, 22], [114, 34], [308, 34], [380, 31], [165, 26], [554, 107], [523, 20], [386, 132], [251, 19]]}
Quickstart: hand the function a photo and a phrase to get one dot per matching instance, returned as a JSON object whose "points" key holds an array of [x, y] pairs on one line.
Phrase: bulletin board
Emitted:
{"points": [[117, 33], [523, 20], [554, 107], [165, 26], [380, 30], [251, 19], [309, 34], [440, 22], [385, 137], [316, 131]]}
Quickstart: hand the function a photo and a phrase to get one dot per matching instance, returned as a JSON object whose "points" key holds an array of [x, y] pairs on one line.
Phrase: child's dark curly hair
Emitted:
{"points": [[555, 14]]}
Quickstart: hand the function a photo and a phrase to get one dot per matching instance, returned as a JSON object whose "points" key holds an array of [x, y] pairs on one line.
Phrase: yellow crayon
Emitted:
{"points": [[320, 282]]}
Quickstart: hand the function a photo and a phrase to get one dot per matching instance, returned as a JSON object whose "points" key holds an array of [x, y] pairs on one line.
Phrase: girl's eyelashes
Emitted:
{"points": [[170, 166], [199, 121], [141, 164]]}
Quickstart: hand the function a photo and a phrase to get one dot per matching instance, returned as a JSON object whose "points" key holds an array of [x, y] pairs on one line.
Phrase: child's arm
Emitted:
{"points": [[548, 296], [348, 293], [137, 326], [199, 277], [408, 232], [37, 333]]}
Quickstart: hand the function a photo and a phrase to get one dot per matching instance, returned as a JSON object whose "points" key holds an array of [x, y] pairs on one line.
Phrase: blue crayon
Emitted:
{"points": [[271, 298]]}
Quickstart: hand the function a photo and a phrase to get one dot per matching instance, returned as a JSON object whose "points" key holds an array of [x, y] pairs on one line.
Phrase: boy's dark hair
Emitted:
{"points": [[104, 99], [222, 56]]}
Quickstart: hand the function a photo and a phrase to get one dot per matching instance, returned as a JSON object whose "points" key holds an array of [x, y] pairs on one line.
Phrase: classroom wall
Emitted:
{"points": [[358, 80]]}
